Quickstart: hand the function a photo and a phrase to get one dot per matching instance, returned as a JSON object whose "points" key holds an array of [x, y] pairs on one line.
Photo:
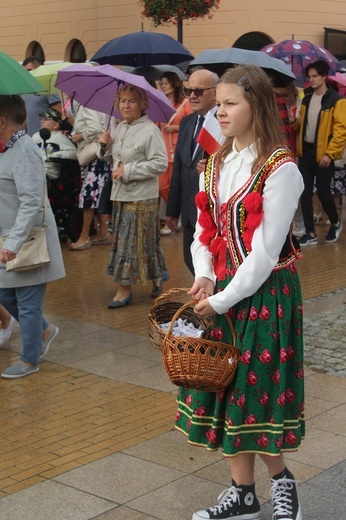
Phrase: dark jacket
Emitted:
{"points": [[185, 178]]}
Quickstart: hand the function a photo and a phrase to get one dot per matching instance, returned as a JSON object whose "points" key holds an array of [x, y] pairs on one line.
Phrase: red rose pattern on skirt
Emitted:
{"points": [[262, 410]]}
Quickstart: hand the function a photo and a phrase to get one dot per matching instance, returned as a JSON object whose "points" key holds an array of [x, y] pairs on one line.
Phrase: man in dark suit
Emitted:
{"points": [[185, 178]]}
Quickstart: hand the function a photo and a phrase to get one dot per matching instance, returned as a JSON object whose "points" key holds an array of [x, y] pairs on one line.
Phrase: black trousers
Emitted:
{"points": [[311, 171]]}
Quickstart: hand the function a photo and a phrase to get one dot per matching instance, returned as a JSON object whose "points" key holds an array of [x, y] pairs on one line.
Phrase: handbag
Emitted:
{"points": [[87, 153], [105, 203], [33, 253]]}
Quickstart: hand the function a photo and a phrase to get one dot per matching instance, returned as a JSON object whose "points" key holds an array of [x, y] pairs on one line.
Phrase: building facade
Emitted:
{"points": [[73, 30]]}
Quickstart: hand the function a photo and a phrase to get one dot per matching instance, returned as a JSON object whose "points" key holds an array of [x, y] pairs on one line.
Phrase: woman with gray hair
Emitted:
{"points": [[139, 156]]}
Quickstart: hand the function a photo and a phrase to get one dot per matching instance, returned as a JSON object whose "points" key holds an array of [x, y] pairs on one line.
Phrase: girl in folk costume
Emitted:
{"points": [[244, 257]]}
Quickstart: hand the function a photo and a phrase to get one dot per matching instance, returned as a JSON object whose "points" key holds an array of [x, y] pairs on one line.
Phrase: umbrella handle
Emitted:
{"points": [[109, 120]]}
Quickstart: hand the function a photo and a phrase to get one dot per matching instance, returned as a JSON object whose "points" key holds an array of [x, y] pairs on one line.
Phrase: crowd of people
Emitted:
{"points": [[236, 209]]}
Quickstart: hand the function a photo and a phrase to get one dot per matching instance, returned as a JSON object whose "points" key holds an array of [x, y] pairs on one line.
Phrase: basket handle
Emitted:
{"points": [[192, 304], [163, 297]]}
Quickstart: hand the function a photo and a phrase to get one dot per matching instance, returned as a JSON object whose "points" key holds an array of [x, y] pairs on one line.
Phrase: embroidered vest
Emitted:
{"points": [[239, 218]]}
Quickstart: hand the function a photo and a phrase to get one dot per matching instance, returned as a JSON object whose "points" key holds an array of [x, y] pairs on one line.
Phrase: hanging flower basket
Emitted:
{"points": [[164, 12]]}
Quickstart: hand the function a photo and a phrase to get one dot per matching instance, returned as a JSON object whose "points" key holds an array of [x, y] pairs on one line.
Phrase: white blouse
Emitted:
{"points": [[280, 200]]}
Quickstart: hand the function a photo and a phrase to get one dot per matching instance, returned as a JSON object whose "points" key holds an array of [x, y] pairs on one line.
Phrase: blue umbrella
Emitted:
{"points": [[155, 72], [220, 60], [141, 49]]}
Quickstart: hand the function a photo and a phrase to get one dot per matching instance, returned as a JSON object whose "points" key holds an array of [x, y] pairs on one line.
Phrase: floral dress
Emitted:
{"points": [[262, 410], [94, 176]]}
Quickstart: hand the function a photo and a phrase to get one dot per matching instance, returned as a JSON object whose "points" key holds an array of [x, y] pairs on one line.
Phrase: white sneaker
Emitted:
{"points": [[5, 334], [298, 232]]}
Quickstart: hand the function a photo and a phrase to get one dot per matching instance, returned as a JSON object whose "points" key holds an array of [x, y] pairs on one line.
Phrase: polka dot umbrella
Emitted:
{"points": [[300, 53]]}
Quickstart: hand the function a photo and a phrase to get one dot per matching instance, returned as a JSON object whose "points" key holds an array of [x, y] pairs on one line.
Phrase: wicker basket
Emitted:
{"points": [[164, 309], [198, 362]]}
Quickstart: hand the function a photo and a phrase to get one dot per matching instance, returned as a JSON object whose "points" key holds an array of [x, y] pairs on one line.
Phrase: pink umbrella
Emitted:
{"points": [[95, 88], [340, 80]]}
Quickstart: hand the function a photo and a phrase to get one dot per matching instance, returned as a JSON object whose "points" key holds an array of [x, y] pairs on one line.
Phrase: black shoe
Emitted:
{"points": [[237, 502], [307, 240], [333, 233], [285, 497], [116, 304], [158, 289]]}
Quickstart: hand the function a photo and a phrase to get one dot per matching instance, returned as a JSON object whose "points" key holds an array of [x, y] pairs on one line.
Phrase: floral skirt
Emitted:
{"points": [[339, 182], [136, 256], [262, 410], [94, 176]]}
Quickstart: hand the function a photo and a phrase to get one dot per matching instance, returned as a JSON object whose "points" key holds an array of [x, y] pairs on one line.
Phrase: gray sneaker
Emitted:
{"points": [[54, 331], [18, 370]]}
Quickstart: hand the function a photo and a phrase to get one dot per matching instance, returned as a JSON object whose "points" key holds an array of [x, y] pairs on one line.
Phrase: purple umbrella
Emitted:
{"points": [[300, 53], [95, 88]]}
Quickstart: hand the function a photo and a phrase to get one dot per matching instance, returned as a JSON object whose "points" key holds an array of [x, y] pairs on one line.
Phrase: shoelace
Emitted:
{"points": [[281, 495], [227, 498]]}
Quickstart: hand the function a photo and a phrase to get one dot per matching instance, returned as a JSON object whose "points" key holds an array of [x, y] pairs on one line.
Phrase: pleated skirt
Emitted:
{"points": [[136, 256]]}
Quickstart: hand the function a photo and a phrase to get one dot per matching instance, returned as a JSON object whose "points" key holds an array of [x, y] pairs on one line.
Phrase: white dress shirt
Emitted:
{"points": [[280, 199]]}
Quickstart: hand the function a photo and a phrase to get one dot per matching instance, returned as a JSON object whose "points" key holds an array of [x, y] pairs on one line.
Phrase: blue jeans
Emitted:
{"points": [[25, 304]]}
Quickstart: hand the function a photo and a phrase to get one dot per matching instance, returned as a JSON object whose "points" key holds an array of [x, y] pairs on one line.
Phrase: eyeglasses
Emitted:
{"points": [[197, 91]]}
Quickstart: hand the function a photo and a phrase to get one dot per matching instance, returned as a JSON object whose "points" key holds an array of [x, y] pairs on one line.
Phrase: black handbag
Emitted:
{"points": [[105, 202]]}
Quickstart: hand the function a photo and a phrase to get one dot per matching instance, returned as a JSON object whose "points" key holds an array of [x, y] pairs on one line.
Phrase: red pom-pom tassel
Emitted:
{"points": [[253, 207], [253, 221], [206, 221], [253, 202], [202, 201]]}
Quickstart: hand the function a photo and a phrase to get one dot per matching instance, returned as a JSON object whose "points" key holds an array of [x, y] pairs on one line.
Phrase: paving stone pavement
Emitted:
{"points": [[324, 333], [162, 478]]}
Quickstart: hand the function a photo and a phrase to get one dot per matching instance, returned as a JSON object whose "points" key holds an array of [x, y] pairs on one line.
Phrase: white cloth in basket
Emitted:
{"points": [[182, 327]]}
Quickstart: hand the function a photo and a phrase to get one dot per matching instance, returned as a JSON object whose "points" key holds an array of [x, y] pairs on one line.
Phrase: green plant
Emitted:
{"points": [[164, 12]]}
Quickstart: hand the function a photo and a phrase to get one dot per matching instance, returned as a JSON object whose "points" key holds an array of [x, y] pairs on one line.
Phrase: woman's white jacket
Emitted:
{"points": [[141, 149]]}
